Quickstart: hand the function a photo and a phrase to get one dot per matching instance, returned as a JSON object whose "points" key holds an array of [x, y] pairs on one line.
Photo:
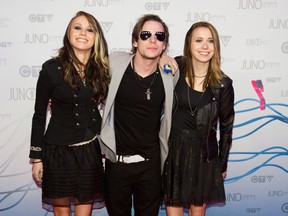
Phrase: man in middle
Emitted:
{"points": [[137, 120]]}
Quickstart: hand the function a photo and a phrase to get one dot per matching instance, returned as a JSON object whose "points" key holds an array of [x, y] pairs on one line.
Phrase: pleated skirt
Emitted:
{"points": [[187, 179], [72, 175]]}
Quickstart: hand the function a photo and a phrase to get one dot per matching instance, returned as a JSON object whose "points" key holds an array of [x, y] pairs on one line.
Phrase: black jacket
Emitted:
{"points": [[73, 111], [219, 112]]}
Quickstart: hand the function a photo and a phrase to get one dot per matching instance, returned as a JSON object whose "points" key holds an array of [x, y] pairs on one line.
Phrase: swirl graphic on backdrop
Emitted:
{"points": [[277, 116], [272, 152], [18, 193]]}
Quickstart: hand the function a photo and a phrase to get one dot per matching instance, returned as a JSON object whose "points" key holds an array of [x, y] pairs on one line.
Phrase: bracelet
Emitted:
{"points": [[34, 162]]}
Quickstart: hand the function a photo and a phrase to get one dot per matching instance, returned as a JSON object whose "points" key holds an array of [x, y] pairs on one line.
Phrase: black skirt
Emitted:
{"points": [[187, 180], [72, 175]]}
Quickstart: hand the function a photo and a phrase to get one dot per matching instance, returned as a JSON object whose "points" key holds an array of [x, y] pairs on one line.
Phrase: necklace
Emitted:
{"points": [[193, 112], [148, 91], [81, 71], [82, 76], [200, 76]]}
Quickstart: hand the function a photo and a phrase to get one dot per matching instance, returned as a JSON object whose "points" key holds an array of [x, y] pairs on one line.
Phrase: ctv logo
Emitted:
{"points": [[253, 210], [261, 179]]}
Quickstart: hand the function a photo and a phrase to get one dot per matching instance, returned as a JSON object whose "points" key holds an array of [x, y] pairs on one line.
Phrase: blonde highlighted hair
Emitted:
{"points": [[98, 61]]}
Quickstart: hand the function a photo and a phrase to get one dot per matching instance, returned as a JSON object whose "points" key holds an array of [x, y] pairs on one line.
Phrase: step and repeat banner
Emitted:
{"points": [[254, 50]]}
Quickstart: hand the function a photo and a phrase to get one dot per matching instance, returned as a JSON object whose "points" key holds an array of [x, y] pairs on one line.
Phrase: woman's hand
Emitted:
{"points": [[224, 174], [37, 172]]}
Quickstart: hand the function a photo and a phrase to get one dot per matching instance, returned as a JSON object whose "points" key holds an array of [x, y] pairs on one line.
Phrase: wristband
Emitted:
{"points": [[34, 162], [167, 68]]}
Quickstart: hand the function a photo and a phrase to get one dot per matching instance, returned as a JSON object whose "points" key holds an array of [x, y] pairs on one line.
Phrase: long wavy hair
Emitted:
{"points": [[97, 67], [214, 73]]}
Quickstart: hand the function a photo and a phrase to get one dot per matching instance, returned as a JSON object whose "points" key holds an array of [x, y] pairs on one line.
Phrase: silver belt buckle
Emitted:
{"points": [[131, 159]]}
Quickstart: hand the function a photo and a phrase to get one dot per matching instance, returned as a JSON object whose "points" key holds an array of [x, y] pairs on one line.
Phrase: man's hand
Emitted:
{"points": [[168, 64]]}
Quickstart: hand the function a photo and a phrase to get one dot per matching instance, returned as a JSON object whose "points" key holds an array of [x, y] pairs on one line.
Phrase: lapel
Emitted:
{"points": [[118, 65]]}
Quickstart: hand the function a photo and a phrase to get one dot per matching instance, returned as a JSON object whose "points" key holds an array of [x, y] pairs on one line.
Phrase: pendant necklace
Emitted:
{"points": [[81, 72], [82, 76], [148, 91], [193, 112]]}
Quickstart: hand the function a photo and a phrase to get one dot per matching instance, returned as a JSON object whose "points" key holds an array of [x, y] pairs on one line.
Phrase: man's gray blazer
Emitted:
{"points": [[118, 63]]}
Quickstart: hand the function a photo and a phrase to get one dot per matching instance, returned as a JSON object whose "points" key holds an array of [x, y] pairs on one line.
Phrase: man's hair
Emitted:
{"points": [[139, 25]]}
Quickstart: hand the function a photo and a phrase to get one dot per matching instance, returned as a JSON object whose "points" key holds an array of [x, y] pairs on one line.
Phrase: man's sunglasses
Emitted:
{"points": [[160, 36]]}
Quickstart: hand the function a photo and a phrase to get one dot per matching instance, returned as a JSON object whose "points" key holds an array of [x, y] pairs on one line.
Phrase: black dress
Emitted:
{"points": [[186, 178]]}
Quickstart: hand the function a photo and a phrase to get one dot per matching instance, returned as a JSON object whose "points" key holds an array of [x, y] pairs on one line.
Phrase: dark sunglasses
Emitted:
{"points": [[160, 36]]}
